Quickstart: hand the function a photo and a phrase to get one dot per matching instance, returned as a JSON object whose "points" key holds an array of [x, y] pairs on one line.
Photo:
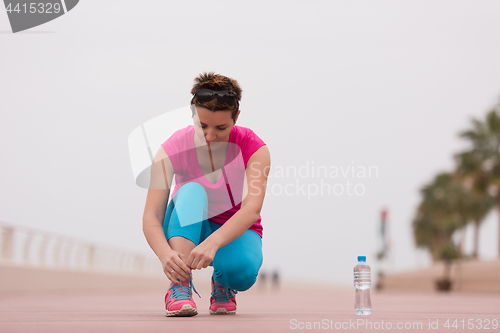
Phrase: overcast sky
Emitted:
{"points": [[334, 84]]}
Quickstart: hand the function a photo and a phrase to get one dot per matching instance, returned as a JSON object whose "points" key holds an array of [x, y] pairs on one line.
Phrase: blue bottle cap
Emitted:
{"points": [[361, 258]]}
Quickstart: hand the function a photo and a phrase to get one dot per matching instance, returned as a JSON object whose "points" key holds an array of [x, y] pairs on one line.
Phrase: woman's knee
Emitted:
{"points": [[241, 275], [193, 192]]}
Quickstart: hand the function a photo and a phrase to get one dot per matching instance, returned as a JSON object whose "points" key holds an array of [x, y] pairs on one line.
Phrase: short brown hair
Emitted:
{"points": [[217, 82]]}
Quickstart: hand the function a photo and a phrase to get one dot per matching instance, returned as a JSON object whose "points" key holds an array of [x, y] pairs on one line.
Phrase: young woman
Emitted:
{"points": [[213, 218]]}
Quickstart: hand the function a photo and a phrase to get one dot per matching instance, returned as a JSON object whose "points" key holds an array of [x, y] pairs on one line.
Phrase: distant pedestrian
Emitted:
{"points": [[263, 279], [276, 279]]}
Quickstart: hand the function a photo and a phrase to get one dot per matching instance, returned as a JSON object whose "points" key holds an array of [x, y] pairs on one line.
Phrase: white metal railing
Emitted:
{"points": [[26, 246]]}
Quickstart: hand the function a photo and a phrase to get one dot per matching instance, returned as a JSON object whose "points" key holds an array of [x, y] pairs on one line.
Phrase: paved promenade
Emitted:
{"points": [[289, 309]]}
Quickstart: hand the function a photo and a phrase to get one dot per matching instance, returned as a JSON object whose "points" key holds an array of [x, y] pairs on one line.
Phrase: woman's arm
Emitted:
{"points": [[154, 214], [256, 180]]}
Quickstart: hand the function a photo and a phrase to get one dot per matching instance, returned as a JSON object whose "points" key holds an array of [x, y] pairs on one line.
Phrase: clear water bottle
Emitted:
{"points": [[362, 282]]}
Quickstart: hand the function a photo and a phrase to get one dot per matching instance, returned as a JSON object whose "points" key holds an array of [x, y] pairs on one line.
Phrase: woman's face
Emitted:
{"points": [[213, 126]]}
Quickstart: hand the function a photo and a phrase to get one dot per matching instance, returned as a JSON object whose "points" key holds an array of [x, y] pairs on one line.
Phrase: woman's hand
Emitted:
{"points": [[174, 266], [202, 255]]}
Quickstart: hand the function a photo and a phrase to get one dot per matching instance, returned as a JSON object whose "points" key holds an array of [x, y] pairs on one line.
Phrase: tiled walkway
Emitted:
{"points": [[287, 310]]}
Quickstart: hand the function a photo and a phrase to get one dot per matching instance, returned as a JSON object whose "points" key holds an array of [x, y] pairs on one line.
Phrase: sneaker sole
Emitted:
{"points": [[222, 311], [186, 311]]}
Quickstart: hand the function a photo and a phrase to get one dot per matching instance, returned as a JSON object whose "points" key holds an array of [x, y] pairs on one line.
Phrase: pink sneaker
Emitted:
{"points": [[223, 300], [178, 300]]}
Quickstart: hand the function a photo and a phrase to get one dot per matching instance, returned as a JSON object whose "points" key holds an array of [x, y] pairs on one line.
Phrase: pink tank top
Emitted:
{"points": [[224, 197]]}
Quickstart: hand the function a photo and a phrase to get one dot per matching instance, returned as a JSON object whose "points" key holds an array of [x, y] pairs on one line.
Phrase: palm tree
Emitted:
{"points": [[443, 210], [482, 161], [476, 180], [481, 208], [428, 233]]}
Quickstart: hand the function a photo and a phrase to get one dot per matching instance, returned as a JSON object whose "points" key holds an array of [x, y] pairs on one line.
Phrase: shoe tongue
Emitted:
{"points": [[216, 284], [185, 284]]}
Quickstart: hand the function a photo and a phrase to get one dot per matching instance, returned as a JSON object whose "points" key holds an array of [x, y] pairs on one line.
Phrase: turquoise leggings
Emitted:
{"points": [[237, 264]]}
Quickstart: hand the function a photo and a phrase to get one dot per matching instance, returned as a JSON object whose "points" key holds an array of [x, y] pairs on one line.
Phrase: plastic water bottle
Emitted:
{"points": [[362, 282]]}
